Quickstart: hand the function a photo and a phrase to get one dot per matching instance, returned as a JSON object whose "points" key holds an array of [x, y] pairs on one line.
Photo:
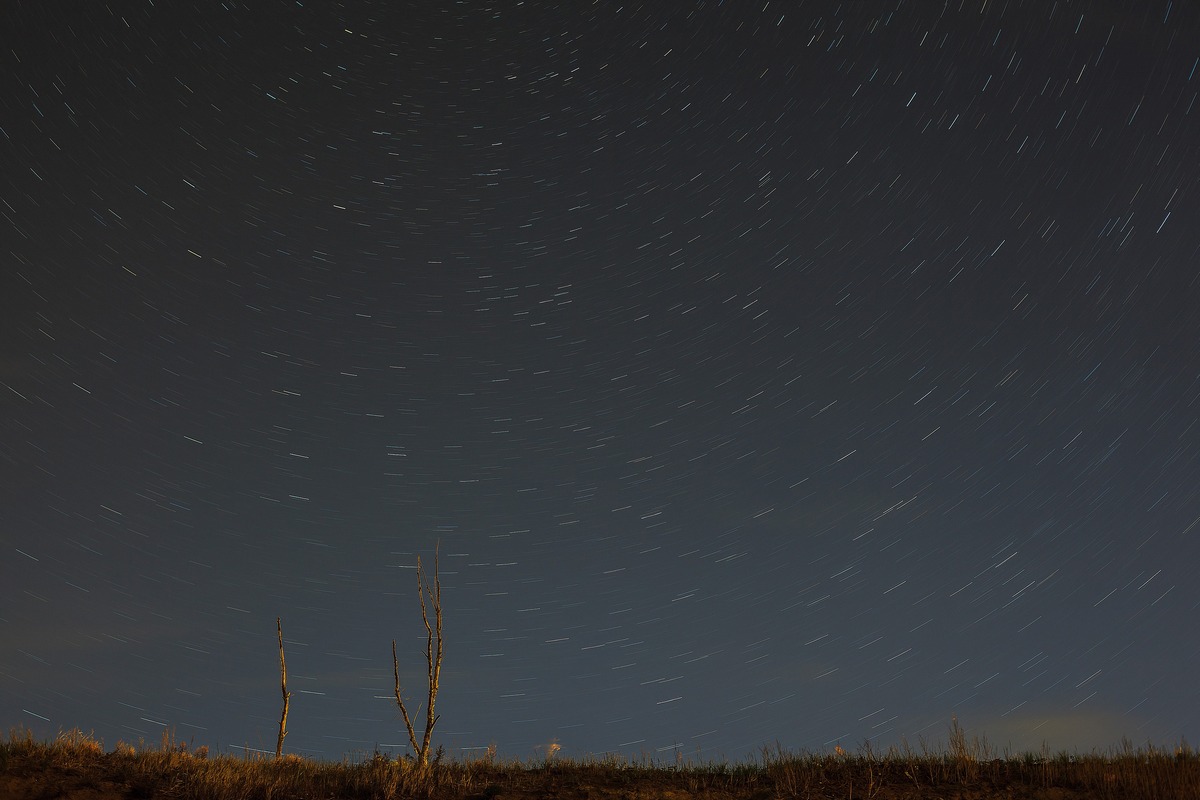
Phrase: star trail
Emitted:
{"points": [[803, 372]]}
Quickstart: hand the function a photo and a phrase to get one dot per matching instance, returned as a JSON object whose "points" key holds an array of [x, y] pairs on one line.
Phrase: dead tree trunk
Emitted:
{"points": [[430, 596], [286, 694]]}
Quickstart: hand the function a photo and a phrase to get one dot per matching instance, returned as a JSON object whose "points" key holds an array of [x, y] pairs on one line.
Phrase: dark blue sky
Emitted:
{"points": [[798, 373]]}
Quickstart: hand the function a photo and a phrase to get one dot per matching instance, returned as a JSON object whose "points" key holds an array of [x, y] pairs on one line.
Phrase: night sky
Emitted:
{"points": [[768, 372]]}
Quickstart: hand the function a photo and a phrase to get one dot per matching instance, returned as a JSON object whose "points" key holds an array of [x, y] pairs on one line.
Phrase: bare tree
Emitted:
{"points": [[287, 696], [429, 595]]}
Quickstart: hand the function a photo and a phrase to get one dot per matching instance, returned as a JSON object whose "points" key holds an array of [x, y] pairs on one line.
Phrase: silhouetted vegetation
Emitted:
{"points": [[75, 764]]}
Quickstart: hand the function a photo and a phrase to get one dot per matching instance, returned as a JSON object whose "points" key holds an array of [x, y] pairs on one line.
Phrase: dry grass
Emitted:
{"points": [[75, 765]]}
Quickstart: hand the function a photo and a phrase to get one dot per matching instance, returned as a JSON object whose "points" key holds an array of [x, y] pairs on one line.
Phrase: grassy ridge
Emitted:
{"points": [[75, 765]]}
